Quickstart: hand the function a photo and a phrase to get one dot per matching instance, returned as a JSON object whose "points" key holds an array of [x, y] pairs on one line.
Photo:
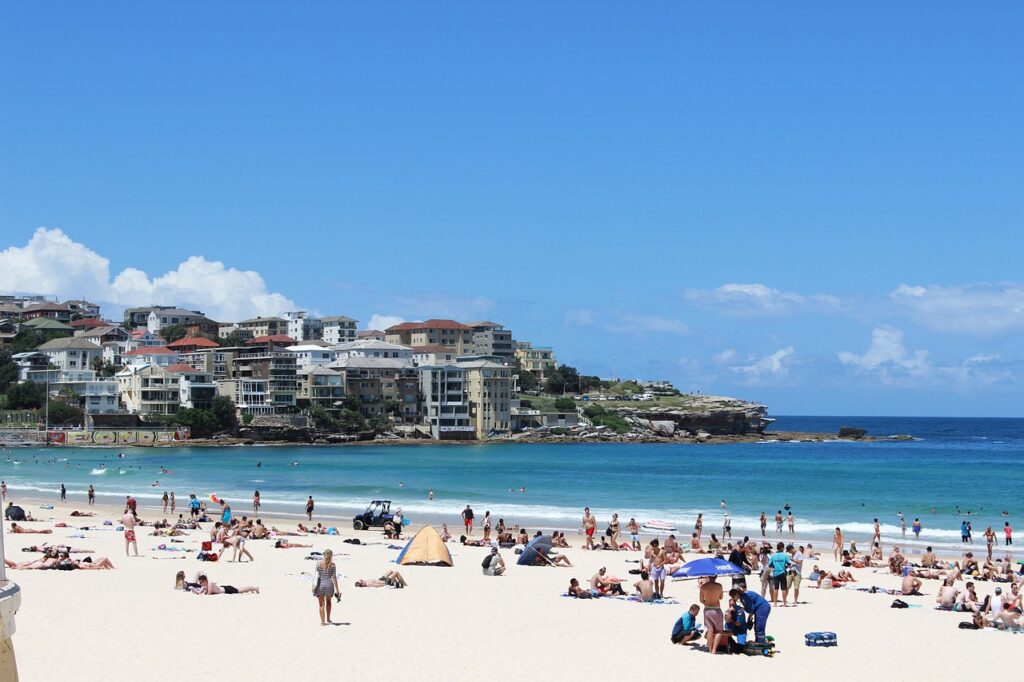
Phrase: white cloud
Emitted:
{"points": [[982, 309], [55, 265], [652, 323], [887, 354], [775, 365], [759, 299], [579, 318], [382, 322], [725, 357]]}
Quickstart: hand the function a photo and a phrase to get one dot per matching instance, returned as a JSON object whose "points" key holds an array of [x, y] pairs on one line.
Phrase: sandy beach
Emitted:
{"points": [[450, 623]]}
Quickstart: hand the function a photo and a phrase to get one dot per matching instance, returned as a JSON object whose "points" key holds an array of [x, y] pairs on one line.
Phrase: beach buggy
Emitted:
{"points": [[375, 516]]}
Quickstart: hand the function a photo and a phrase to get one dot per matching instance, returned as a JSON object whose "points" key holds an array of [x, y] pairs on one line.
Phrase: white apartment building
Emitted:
{"points": [[368, 348], [445, 404], [302, 327], [308, 356], [338, 329], [71, 352]]}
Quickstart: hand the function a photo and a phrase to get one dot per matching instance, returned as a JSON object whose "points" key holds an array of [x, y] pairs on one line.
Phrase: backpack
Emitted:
{"points": [[899, 604], [486, 562]]}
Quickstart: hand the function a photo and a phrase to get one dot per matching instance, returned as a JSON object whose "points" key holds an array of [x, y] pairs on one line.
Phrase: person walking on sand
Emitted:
{"points": [[63, 493], [309, 508], [166, 499], [589, 525], [726, 526], [778, 521], [256, 501], [467, 519], [326, 586], [764, 524], [990, 539], [172, 502], [837, 544], [128, 520], [92, 495]]}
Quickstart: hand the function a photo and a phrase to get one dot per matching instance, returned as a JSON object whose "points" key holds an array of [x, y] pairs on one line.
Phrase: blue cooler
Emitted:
{"points": [[820, 639]]}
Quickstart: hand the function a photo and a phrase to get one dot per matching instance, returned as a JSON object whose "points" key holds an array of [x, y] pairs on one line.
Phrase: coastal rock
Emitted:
{"points": [[852, 432], [663, 427], [715, 415]]}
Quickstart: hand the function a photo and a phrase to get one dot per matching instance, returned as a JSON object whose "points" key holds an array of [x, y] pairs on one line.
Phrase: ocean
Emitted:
{"points": [[953, 466]]}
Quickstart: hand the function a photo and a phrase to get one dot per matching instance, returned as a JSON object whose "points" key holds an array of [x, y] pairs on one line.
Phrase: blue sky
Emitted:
{"points": [[815, 207]]}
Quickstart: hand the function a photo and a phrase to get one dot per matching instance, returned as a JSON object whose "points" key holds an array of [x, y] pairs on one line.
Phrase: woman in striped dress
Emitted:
{"points": [[326, 585]]}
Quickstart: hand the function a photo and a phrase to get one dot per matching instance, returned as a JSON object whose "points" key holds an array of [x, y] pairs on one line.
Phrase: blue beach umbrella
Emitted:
{"points": [[540, 545], [706, 567]]}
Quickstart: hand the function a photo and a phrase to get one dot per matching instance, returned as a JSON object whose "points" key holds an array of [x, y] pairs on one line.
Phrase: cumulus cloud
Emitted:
{"points": [[53, 264], [983, 309], [759, 299], [887, 354], [775, 365], [382, 322], [579, 318]]}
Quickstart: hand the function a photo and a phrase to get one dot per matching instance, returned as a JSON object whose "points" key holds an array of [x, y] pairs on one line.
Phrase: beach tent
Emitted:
{"points": [[540, 545], [426, 547]]}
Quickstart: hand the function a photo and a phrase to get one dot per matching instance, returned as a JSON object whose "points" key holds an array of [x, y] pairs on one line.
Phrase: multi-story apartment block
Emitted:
{"points": [[225, 329], [30, 361], [320, 386], [302, 327], [338, 329], [448, 333], [148, 389], [263, 326], [489, 388], [276, 368], [540, 360], [71, 353], [156, 317], [83, 309], [195, 389], [251, 396], [150, 355], [309, 355], [94, 394], [103, 334], [433, 355], [61, 312], [189, 344], [445, 402], [491, 338], [375, 381], [374, 334]]}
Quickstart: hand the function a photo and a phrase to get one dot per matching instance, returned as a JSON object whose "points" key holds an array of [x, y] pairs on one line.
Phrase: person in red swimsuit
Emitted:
{"points": [[589, 525], [129, 521]]}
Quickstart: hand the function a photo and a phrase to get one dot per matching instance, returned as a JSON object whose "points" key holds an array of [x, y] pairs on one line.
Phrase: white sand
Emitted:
{"points": [[450, 623]]}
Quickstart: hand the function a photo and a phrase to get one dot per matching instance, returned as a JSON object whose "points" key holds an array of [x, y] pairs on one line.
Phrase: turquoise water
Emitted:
{"points": [[953, 464]]}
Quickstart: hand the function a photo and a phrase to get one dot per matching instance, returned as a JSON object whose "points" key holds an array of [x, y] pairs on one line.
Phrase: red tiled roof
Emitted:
{"points": [[87, 322], [276, 338], [194, 342], [180, 367], [152, 350], [429, 324]]}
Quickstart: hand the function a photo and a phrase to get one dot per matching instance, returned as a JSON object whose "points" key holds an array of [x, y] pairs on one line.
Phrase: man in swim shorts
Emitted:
{"points": [[634, 533], [467, 519], [714, 620], [657, 571], [589, 525], [129, 533]]}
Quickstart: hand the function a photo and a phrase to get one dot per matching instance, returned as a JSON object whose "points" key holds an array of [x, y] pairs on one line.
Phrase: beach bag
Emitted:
{"points": [[826, 584], [207, 546], [821, 639], [486, 562], [759, 648], [899, 604], [967, 625]]}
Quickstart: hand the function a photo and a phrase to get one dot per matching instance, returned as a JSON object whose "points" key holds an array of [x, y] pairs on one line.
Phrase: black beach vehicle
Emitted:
{"points": [[376, 514]]}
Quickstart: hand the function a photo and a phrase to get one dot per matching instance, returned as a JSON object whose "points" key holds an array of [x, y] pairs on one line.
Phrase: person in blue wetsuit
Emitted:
{"points": [[685, 630], [755, 604]]}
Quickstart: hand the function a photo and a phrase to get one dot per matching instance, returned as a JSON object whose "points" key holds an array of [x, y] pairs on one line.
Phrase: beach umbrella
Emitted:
{"points": [[540, 545], [706, 567]]}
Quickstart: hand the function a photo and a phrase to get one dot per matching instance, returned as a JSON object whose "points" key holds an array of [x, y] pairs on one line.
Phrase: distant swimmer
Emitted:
{"points": [[522, 489], [401, 484], [295, 464], [430, 494], [259, 464]]}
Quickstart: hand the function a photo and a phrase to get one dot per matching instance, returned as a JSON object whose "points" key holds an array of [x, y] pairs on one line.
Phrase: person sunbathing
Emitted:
{"points": [[911, 586], [947, 595], [284, 544], [78, 513], [288, 533], [15, 528], [576, 591], [66, 563], [552, 560], [695, 544], [472, 543], [208, 587], [302, 529], [604, 584], [389, 579]]}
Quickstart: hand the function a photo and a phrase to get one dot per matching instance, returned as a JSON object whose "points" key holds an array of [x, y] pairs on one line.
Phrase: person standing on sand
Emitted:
{"points": [[613, 532], [726, 526], [63, 493], [309, 508], [487, 526], [754, 604], [634, 533], [714, 622], [3, 490], [791, 522], [903, 525], [589, 525], [778, 521], [166, 499], [256, 501], [877, 537], [326, 585], [130, 504], [990, 539], [92, 495], [656, 569], [128, 520], [467, 519], [699, 525], [764, 523], [838, 544], [1008, 532]]}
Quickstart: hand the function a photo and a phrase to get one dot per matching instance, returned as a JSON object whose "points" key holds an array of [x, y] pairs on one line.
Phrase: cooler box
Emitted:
{"points": [[820, 639]]}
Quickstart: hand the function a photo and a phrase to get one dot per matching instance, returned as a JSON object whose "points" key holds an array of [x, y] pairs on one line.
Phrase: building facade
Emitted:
{"points": [[338, 329]]}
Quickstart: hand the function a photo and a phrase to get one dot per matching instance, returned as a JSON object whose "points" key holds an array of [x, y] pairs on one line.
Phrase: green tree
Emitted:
{"points": [[351, 421], [202, 423], [235, 338], [26, 396], [103, 368], [322, 419], [8, 371], [565, 404], [62, 412], [223, 409], [173, 332], [380, 425], [528, 381]]}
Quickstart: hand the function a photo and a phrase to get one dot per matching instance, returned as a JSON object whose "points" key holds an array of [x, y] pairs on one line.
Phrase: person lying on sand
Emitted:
{"points": [[389, 579], [284, 544], [66, 563], [302, 530], [41, 564], [551, 560], [208, 587], [472, 543], [15, 528], [78, 513], [45, 547], [576, 591]]}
